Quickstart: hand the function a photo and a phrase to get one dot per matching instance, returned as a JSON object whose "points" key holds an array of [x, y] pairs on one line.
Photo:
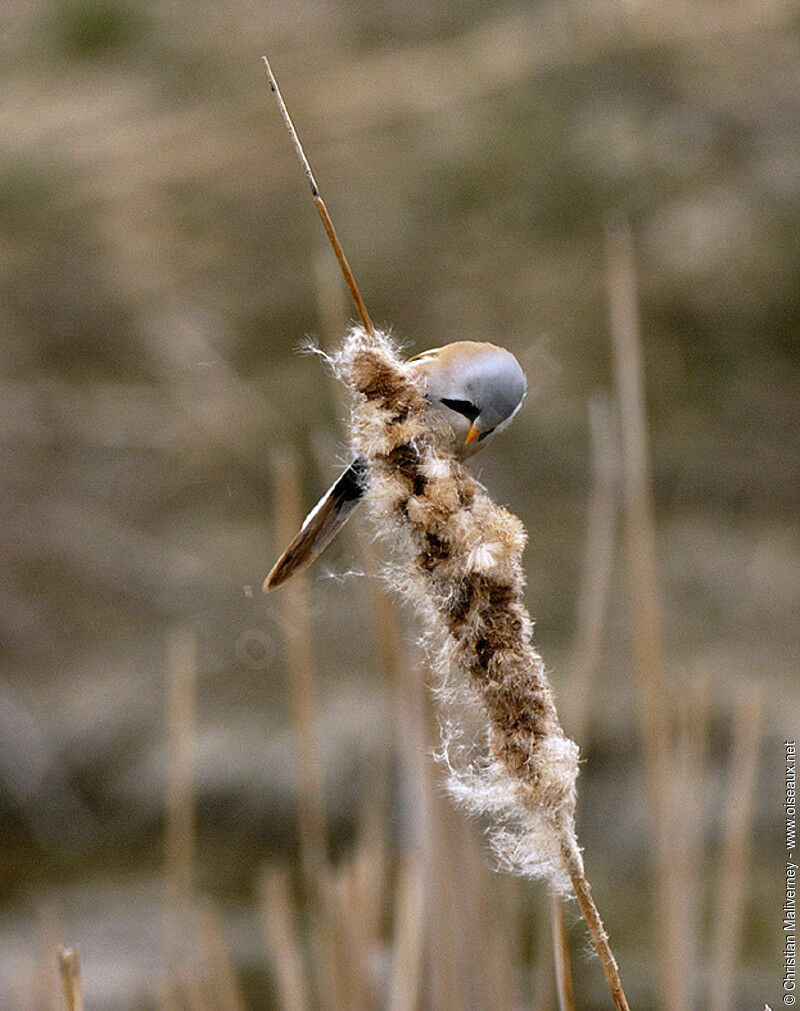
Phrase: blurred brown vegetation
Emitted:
{"points": [[161, 263]]}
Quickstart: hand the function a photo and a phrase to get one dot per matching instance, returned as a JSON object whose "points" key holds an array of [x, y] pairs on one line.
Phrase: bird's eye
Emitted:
{"points": [[484, 434], [469, 410]]}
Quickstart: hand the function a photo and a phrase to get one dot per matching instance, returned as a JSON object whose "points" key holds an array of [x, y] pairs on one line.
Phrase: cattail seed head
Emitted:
{"points": [[456, 557]]}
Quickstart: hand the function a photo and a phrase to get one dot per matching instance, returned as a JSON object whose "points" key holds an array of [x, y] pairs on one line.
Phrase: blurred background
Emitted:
{"points": [[200, 785]]}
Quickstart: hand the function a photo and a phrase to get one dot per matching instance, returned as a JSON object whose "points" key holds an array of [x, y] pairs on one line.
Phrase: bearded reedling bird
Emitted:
{"points": [[476, 388]]}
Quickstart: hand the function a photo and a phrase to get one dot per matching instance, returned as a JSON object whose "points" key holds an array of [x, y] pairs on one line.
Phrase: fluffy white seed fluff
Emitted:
{"points": [[456, 557]]}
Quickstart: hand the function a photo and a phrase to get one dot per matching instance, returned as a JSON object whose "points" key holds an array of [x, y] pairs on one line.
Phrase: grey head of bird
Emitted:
{"points": [[476, 387]]}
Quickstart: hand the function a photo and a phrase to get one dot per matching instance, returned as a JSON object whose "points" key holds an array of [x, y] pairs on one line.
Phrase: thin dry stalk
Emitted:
{"points": [[179, 826], [295, 614], [654, 704], [180, 721], [566, 998], [296, 625], [691, 780], [477, 916], [447, 942], [496, 918], [331, 304], [543, 984], [595, 583], [574, 864], [218, 960], [354, 985], [597, 567], [409, 935], [319, 203], [69, 966], [457, 560], [370, 859], [733, 868], [283, 946], [411, 708]]}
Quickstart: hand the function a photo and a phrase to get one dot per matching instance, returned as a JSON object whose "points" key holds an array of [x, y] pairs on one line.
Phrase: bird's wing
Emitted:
{"points": [[321, 525]]}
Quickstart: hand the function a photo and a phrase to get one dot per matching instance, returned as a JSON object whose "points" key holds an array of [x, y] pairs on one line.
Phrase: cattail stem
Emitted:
{"points": [[573, 862]]}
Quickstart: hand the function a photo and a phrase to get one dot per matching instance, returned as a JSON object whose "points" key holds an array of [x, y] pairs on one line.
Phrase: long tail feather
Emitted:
{"points": [[321, 525]]}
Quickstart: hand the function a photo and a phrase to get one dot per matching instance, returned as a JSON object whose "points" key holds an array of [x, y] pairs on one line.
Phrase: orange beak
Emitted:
{"points": [[472, 434]]}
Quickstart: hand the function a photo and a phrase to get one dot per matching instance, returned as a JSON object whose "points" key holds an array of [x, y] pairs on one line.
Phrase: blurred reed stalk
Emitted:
{"points": [[595, 582], [495, 927], [691, 781], [733, 875], [295, 611], [596, 569], [180, 729], [296, 627], [217, 961], [353, 946], [69, 967], [282, 943], [566, 998], [544, 991], [408, 935], [654, 704], [418, 869]]}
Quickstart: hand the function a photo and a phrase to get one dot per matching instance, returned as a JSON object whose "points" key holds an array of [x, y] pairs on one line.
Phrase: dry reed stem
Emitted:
{"points": [[449, 986], [691, 780], [218, 960], [295, 612], [457, 559], [543, 983], [595, 583], [331, 303], [180, 723], [370, 859], [597, 567], [497, 921], [357, 986], [654, 704], [583, 892], [733, 866], [283, 947], [69, 966], [179, 828], [409, 935], [482, 922], [566, 997], [411, 708], [300, 667]]}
